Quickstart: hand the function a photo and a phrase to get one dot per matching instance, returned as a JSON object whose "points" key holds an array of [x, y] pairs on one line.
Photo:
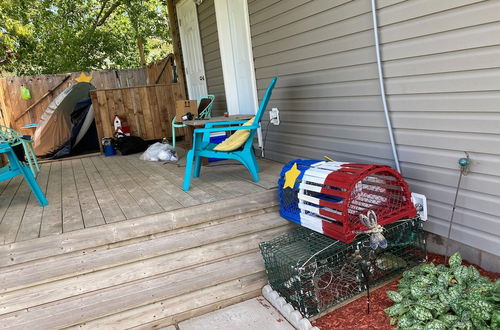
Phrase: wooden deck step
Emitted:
{"points": [[143, 281], [171, 311], [87, 307], [75, 284], [41, 271], [45, 247]]}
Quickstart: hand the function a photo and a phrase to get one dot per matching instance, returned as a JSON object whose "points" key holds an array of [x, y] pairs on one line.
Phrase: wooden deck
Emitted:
{"points": [[94, 191]]}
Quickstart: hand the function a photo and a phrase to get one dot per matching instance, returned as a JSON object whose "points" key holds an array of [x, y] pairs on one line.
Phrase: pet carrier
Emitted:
{"points": [[329, 197], [313, 272]]}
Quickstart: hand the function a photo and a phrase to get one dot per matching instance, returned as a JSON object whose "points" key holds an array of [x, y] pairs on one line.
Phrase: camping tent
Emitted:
{"points": [[67, 122]]}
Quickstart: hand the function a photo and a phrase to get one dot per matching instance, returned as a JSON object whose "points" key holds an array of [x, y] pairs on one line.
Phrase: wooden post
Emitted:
{"points": [[176, 41], [3, 104], [166, 60]]}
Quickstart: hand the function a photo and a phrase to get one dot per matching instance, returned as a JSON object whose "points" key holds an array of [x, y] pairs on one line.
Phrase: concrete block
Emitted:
{"points": [[287, 310], [490, 262], [435, 243], [256, 313], [438, 244]]}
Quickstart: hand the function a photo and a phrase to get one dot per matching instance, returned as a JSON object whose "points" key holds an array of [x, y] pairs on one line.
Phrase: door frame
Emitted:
{"points": [[185, 53], [228, 67]]}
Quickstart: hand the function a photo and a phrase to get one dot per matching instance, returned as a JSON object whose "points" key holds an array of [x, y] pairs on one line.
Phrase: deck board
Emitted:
{"points": [[195, 191], [14, 214], [3, 185], [52, 213], [8, 194], [96, 190], [71, 212], [143, 199], [172, 189], [109, 207], [165, 201], [91, 211], [127, 203], [32, 219]]}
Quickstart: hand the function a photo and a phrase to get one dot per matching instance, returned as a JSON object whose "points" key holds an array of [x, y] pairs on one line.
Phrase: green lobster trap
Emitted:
{"points": [[313, 272]]}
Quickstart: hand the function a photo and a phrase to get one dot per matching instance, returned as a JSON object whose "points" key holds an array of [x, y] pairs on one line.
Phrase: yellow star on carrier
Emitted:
{"points": [[84, 78], [291, 176]]}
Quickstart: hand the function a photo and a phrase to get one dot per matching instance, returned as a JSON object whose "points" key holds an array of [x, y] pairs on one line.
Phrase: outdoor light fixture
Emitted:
{"points": [[198, 2]]}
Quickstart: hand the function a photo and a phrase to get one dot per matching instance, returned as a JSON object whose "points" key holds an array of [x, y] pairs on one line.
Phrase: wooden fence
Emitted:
{"points": [[161, 72], [148, 109], [13, 107]]}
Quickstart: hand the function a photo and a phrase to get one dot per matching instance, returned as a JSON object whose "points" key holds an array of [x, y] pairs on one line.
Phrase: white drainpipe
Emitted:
{"points": [[382, 88]]}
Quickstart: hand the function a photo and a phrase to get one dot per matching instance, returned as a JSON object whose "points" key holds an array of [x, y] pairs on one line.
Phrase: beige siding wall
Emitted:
{"points": [[442, 69], [211, 55], [327, 91]]}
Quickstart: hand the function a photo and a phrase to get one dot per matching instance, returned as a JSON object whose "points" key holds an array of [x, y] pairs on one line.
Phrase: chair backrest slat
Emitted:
{"points": [[265, 100], [262, 108], [206, 112], [9, 135]]}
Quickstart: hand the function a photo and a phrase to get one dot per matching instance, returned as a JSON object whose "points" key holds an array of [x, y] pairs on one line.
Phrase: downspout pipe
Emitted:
{"points": [[382, 88]]}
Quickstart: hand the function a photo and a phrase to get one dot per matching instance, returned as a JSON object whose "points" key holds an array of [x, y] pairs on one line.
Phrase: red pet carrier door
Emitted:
{"points": [[332, 195]]}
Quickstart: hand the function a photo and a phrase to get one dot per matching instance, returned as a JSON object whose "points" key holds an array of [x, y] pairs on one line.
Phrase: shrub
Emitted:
{"points": [[441, 297]]}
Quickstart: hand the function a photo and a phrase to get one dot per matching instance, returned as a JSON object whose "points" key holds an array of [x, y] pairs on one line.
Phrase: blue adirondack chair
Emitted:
{"points": [[203, 148], [15, 167]]}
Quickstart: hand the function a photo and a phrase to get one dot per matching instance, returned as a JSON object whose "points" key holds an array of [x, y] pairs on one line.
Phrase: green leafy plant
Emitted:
{"points": [[55, 36], [441, 297]]}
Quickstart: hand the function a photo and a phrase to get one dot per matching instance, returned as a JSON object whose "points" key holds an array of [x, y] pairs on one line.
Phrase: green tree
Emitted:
{"points": [[54, 36]]}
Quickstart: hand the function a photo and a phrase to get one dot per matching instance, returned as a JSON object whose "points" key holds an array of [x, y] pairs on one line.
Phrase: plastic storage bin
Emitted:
{"points": [[216, 140]]}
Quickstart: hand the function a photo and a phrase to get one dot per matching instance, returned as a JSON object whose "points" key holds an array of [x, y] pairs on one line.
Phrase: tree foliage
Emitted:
{"points": [[54, 36]]}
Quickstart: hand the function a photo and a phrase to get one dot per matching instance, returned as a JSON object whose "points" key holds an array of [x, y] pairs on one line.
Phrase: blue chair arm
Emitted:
{"points": [[4, 147], [224, 129], [225, 123], [203, 134]]}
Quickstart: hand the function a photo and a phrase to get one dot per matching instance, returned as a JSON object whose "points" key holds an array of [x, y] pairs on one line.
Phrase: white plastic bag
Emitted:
{"points": [[160, 152]]}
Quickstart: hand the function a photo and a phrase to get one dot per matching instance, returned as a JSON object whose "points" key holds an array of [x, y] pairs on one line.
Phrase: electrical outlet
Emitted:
{"points": [[420, 202], [274, 116]]}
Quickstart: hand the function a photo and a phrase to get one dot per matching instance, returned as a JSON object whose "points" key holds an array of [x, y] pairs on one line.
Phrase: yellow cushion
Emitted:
{"points": [[236, 140]]}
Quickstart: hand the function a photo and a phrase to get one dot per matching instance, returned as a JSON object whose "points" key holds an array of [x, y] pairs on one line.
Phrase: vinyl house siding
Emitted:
{"points": [[328, 92], [211, 56], [442, 69], [441, 63]]}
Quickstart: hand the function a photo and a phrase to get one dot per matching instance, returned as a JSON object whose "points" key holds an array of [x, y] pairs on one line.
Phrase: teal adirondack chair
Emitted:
{"points": [[15, 167], [204, 114], [203, 148], [13, 138]]}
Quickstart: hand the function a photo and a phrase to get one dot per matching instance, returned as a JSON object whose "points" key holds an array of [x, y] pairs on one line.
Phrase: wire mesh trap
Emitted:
{"points": [[314, 272], [329, 197]]}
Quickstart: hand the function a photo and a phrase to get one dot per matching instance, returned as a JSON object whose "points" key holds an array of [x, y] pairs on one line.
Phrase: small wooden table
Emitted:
{"points": [[200, 123]]}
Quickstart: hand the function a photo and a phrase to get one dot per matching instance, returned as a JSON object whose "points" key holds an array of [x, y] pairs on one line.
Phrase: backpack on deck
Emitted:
{"points": [[128, 145]]}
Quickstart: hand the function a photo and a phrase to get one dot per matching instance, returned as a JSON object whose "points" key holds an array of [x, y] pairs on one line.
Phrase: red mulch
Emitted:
{"points": [[354, 316]]}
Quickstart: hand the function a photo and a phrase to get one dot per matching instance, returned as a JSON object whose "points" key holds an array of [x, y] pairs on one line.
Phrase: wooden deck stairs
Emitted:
{"points": [[144, 273]]}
